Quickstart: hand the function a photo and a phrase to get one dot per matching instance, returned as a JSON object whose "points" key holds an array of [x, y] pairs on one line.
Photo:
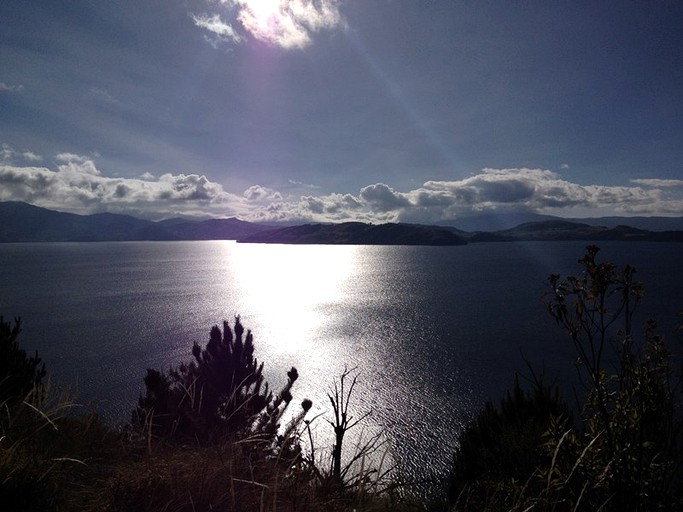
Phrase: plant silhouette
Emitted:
{"points": [[19, 374], [222, 391]]}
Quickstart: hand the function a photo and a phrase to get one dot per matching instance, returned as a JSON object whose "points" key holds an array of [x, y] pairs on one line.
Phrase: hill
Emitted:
{"points": [[22, 222], [358, 233], [552, 230], [496, 222]]}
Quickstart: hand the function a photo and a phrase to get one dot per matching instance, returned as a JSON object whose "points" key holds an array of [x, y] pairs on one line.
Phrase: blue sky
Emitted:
{"points": [[326, 110]]}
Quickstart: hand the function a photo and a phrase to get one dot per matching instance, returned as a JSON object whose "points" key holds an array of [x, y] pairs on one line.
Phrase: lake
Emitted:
{"points": [[433, 331]]}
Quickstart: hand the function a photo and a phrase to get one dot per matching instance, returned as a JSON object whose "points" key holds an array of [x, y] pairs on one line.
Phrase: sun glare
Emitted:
{"points": [[263, 12], [292, 284]]}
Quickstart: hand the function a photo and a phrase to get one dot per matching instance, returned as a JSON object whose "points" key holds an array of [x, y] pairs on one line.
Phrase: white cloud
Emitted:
{"points": [[29, 156], [302, 184], [220, 31], [9, 155], [6, 153], [10, 88], [71, 157], [658, 183], [259, 193], [289, 24], [77, 185], [104, 96]]}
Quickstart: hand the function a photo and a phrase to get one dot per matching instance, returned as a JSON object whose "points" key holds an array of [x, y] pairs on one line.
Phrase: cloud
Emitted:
{"points": [[302, 184], [10, 88], [77, 185], [105, 97], [9, 155], [658, 183], [71, 157], [288, 24], [219, 30], [383, 198], [259, 193], [29, 156], [6, 153]]}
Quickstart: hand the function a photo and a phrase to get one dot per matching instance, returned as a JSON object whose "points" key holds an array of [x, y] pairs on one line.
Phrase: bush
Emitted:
{"points": [[626, 453], [221, 392], [19, 374], [629, 454], [505, 444]]}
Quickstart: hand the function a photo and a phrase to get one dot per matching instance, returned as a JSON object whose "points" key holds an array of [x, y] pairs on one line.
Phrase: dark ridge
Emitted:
{"points": [[358, 233], [22, 222]]}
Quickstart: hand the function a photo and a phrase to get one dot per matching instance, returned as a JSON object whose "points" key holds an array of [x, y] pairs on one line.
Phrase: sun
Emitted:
{"points": [[262, 12]]}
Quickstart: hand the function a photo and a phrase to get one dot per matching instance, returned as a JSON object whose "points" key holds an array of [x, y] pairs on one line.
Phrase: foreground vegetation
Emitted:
{"points": [[623, 451], [207, 435], [211, 435]]}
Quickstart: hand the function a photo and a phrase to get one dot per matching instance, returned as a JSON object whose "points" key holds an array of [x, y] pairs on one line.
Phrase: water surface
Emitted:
{"points": [[432, 331]]}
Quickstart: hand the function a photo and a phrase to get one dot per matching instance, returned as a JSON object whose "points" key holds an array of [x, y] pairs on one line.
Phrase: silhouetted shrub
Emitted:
{"points": [[629, 454], [626, 452], [505, 443], [222, 391], [19, 374]]}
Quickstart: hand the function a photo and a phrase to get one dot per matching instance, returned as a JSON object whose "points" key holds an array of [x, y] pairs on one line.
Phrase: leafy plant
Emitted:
{"points": [[631, 446], [505, 444], [626, 450], [221, 392], [20, 375]]}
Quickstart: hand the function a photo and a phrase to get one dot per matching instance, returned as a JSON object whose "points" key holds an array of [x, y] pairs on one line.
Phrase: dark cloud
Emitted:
{"points": [[383, 198]]}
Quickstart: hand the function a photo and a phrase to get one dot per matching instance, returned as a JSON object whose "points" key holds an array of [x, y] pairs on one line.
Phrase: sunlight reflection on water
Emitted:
{"points": [[433, 331]]}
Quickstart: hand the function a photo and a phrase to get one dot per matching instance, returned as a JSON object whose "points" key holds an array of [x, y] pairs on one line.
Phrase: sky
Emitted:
{"points": [[338, 110]]}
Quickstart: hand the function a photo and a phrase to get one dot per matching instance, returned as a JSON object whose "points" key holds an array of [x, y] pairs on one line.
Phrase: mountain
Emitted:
{"points": [[648, 223], [552, 230], [358, 233], [494, 222], [22, 222], [214, 229]]}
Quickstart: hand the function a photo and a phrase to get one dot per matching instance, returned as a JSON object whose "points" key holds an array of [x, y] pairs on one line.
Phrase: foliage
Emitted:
{"points": [[53, 459], [631, 447], [626, 453], [222, 391], [19, 374], [505, 443]]}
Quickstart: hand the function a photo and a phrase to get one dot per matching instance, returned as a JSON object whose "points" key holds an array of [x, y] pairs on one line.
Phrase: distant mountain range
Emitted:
{"points": [[22, 222], [503, 221]]}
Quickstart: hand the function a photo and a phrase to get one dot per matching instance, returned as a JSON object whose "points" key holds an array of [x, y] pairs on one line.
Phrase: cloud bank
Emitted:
{"points": [[288, 24], [75, 184]]}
